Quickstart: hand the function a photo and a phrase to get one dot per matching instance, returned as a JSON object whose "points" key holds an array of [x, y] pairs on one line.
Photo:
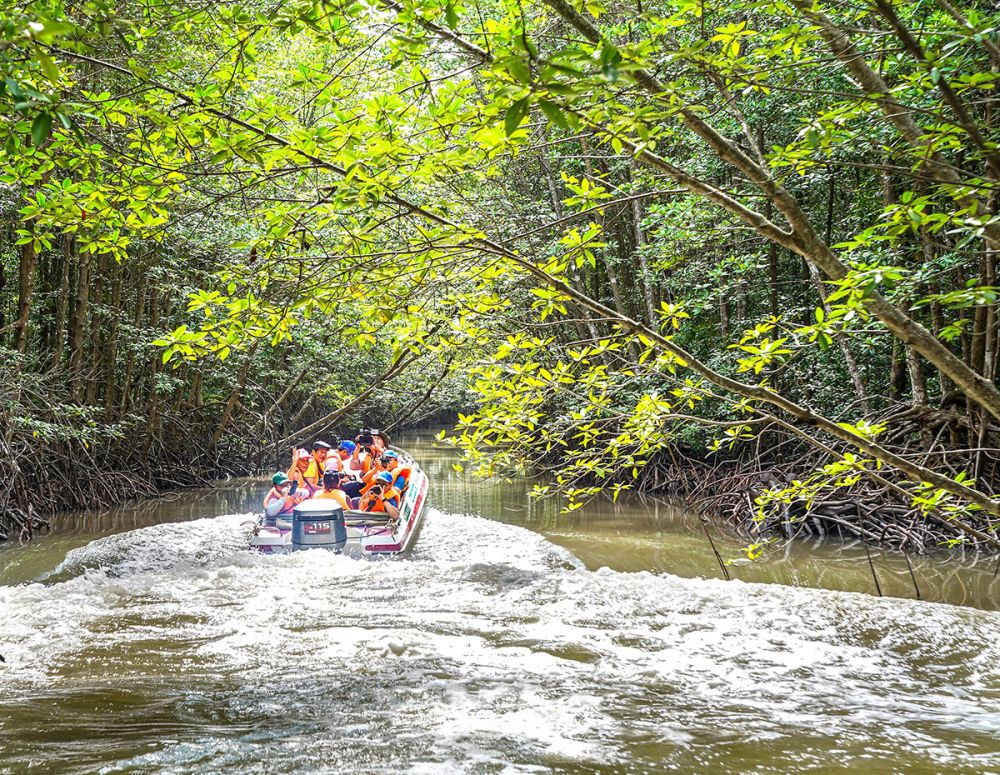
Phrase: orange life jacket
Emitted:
{"points": [[401, 476], [378, 507]]}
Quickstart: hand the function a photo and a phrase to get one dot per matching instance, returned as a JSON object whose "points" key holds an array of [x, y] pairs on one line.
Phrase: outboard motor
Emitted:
{"points": [[319, 523]]}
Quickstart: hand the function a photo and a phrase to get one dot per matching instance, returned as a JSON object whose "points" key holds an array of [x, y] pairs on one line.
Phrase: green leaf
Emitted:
{"points": [[13, 88], [49, 67], [41, 127], [515, 113], [554, 114], [610, 59], [519, 69]]}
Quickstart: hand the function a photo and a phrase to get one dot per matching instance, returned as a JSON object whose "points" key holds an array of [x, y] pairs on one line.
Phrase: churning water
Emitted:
{"points": [[146, 639], [171, 649]]}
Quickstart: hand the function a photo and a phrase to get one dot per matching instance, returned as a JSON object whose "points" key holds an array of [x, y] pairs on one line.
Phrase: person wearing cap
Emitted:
{"points": [[300, 465], [317, 465], [351, 483], [331, 489], [280, 500], [400, 473], [382, 498], [387, 461]]}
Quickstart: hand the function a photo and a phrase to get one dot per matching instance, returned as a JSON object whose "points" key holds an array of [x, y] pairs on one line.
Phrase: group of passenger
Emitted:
{"points": [[360, 475]]}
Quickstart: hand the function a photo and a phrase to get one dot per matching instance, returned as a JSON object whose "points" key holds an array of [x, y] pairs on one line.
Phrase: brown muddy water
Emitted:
{"points": [[513, 639]]}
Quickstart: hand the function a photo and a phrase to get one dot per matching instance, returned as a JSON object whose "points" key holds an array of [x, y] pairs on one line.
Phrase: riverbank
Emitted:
{"points": [[636, 534], [70, 478], [731, 486]]}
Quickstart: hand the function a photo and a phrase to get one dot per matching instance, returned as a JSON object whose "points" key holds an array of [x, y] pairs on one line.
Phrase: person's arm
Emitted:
{"points": [[367, 501], [390, 502]]}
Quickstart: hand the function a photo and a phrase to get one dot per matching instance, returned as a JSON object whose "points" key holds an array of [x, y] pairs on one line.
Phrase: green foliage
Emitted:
{"points": [[332, 186]]}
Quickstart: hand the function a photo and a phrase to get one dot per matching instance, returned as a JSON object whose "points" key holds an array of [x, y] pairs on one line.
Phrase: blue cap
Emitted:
{"points": [[347, 446], [384, 476], [390, 454]]}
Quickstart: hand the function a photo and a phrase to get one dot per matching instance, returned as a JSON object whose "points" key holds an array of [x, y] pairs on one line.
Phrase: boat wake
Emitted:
{"points": [[487, 649]]}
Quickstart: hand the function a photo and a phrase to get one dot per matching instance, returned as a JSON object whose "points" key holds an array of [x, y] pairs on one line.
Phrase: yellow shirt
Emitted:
{"points": [[314, 473], [336, 495]]}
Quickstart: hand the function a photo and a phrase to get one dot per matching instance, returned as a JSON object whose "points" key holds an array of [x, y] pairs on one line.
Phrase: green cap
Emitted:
{"points": [[279, 479]]}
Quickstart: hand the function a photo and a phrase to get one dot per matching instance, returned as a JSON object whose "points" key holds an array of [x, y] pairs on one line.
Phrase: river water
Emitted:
{"points": [[513, 639]]}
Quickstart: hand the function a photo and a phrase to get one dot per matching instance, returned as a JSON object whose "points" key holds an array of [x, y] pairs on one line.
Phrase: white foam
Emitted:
{"points": [[492, 646]]}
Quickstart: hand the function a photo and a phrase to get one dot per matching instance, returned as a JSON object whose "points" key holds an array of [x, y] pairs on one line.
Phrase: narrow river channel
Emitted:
{"points": [[513, 639]]}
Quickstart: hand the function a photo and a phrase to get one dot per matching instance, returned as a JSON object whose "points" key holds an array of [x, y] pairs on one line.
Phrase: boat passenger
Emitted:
{"points": [[297, 473], [389, 461], [369, 476], [400, 473], [368, 448], [281, 499], [382, 498], [317, 465], [352, 470], [331, 489]]}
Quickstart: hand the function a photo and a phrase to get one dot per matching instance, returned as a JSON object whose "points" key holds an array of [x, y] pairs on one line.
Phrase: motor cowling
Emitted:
{"points": [[319, 524]]}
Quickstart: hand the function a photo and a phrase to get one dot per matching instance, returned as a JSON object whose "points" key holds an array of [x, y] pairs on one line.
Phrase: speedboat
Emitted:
{"points": [[324, 524]]}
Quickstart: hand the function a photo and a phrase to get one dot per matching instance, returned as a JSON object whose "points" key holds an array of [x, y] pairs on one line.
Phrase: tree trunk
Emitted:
{"points": [[154, 370], [98, 336], [897, 372], [111, 356], [937, 313], [62, 305], [3, 286], [918, 385], [25, 288], [127, 380], [647, 281], [78, 325], [234, 396]]}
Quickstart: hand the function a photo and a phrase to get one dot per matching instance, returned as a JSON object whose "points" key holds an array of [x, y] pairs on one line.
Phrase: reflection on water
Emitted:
{"points": [[156, 643], [648, 534]]}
